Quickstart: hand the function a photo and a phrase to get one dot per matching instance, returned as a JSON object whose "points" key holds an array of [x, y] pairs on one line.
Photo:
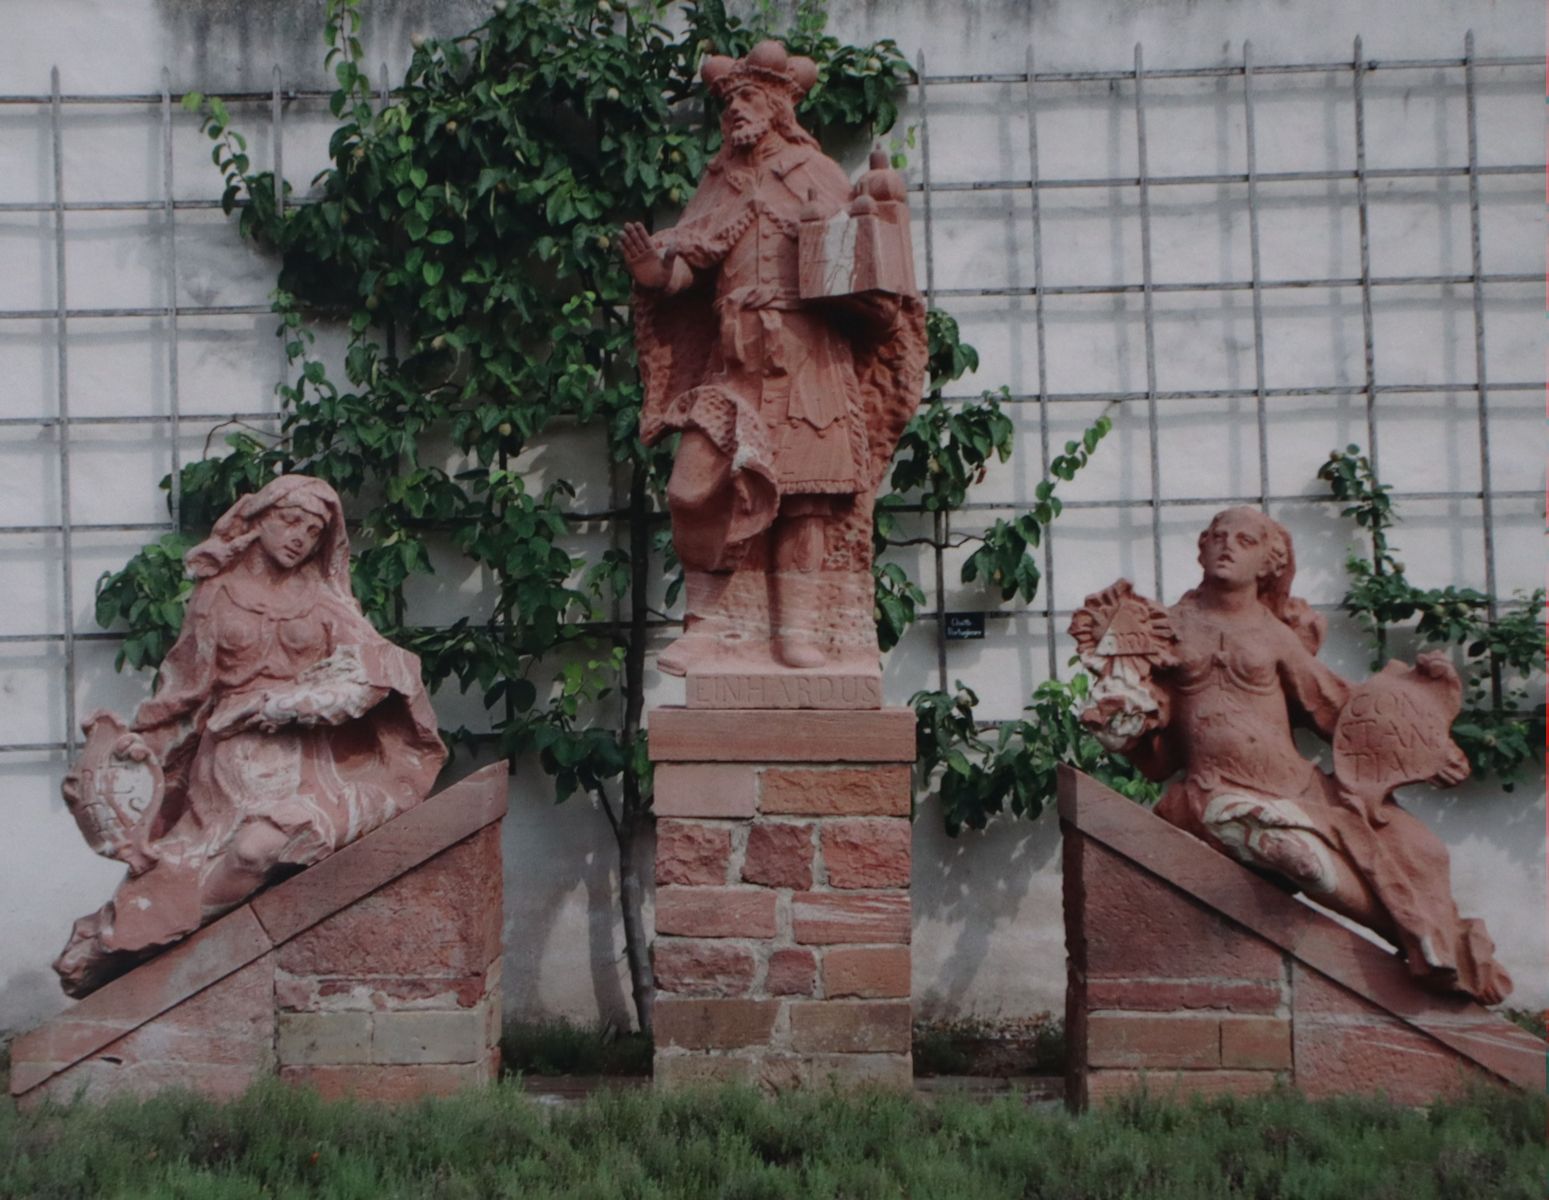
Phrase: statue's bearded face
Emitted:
{"points": [[749, 117]]}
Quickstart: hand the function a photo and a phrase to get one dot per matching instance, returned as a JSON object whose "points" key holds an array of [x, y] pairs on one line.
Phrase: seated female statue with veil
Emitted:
{"points": [[283, 727]]}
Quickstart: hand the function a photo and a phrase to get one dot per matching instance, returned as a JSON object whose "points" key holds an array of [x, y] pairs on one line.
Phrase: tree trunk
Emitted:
{"points": [[634, 809], [637, 949]]}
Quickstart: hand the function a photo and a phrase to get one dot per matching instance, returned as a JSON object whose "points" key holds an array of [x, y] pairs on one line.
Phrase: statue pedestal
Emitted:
{"points": [[1188, 973], [782, 896], [375, 973]]}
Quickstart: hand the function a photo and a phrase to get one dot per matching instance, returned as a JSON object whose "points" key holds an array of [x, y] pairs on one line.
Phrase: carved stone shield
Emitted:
{"points": [[114, 782], [1119, 631], [1396, 729]]}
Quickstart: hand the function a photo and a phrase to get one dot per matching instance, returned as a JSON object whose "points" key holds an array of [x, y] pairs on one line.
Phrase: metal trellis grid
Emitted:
{"points": [[1035, 89]]}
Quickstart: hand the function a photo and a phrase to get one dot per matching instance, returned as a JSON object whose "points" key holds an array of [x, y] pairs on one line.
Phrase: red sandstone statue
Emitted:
{"points": [[781, 335], [1211, 688], [283, 727]]}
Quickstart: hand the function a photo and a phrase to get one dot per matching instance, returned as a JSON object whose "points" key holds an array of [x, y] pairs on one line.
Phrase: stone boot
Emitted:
{"points": [[799, 619]]}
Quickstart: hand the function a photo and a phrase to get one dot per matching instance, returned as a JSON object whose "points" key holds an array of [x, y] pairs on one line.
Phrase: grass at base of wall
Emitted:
{"points": [[275, 1141], [562, 1048], [974, 1046]]}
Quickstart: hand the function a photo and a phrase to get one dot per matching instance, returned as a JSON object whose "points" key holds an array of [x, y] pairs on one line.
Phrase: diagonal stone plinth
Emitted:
{"points": [[203, 1014], [1189, 970]]}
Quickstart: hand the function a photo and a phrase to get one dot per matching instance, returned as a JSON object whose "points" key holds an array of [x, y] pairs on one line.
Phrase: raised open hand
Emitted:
{"points": [[647, 266]]}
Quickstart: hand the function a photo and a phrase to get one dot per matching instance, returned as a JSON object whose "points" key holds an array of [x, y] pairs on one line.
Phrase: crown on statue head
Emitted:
{"points": [[767, 64]]}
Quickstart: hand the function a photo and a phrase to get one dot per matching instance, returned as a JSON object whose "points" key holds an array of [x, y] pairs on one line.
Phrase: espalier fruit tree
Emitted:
{"points": [[462, 234]]}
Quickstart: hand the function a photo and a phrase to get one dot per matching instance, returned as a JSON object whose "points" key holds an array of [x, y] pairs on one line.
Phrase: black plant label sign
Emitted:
{"points": [[965, 626]]}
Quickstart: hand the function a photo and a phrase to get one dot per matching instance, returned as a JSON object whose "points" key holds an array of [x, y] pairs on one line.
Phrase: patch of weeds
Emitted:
{"points": [[994, 1048], [563, 1048], [939, 1050]]}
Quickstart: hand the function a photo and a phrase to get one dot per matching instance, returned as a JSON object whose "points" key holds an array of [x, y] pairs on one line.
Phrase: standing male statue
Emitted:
{"points": [[780, 333]]}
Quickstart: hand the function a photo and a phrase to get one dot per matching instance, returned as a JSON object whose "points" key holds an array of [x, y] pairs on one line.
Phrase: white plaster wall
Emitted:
{"points": [[989, 939]]}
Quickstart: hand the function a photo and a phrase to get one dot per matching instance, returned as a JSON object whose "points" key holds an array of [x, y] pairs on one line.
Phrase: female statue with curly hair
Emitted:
{"points": [[1209, 691], [283, 727]]}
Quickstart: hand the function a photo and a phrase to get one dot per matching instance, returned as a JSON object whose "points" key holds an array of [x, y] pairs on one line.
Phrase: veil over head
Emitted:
{"points": [[237, 530]]}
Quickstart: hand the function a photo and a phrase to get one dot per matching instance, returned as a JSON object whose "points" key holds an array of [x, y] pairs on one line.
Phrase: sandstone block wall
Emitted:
{"points": [[398, 995], [375, 973], [782, 903], [1190, 974]]}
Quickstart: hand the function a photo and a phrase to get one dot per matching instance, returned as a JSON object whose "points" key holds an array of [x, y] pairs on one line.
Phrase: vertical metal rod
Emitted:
{"points": [[1043, 361], [1481, 379], [277, 137], [941, 528], [1367, 337], [385, 94], [62, 368], [1254, 259], [277, 131], [169, 259], [930, 257], [1150, 323]]}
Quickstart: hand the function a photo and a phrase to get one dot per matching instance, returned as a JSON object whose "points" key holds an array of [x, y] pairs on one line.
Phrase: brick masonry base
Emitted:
{"points": [[782, 897], [1190, 974], [375, 973]]}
